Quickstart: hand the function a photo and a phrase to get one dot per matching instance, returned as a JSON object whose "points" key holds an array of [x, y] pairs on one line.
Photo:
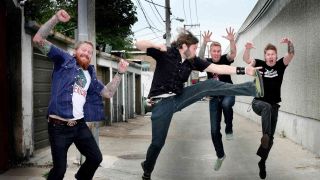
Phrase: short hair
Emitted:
{"points": [[270, 47], [187, 38], [214, 43], [79, 43]]}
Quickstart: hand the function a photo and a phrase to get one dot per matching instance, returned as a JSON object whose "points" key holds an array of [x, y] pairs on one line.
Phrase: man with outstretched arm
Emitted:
{"points": [[168, 95], [268, 106], [76, 95]]}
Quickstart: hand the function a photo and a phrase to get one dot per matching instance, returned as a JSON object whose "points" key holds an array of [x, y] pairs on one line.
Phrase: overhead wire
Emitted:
{"points": [[160, 22], [147, 20], [196, 6], [184, 12], [190, 12], [157, 10]]}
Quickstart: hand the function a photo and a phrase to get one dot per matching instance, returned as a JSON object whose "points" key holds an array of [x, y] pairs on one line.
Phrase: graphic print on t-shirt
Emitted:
{"points": [[81, 79], [270, 73], [80, 89], [81, 82]]}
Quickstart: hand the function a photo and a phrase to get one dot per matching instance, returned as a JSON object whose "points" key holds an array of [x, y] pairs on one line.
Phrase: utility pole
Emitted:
{"points": [[168, 22], [193, 25], [86, 24], [82, 20]]}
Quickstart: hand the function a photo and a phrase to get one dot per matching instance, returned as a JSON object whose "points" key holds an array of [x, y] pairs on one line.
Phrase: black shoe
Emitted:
{"points": [[146, 175], [262, 170], [265, 141]]}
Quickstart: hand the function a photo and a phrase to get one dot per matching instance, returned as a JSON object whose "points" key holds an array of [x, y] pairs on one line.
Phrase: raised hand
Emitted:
{"points": [[249, 45], [285, 40], [63, 16], [230, 34], [122, 66], [207, 36]]}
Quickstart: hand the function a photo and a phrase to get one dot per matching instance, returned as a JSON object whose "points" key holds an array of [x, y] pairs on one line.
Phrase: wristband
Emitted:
{"points": [[240, 70]]}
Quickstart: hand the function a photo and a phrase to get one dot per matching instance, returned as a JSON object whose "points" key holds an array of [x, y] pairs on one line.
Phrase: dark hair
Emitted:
{"points": [[270, 47], [185, 37]]}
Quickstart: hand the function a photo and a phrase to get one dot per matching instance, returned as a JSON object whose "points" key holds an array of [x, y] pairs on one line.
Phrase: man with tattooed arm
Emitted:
{"points": [[76, 96], [268, 106]]}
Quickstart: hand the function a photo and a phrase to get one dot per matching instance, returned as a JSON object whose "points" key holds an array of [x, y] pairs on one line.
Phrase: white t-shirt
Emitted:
{"points": [[79, 94]]}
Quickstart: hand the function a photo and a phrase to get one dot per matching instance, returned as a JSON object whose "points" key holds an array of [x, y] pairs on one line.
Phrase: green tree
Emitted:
{"points": [[114, 19]]}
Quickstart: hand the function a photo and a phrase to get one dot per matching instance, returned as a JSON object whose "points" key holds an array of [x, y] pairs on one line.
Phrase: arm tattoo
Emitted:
{"points": [[290, 48], [109, 90], [45, 29], [44, 46]]}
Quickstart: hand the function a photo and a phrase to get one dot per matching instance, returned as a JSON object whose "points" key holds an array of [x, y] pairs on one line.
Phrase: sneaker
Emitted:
{"points": [[146, 175], [265, 141], [218, 163], [76, 162], [259, 84], [262, 170], [229, 136]]}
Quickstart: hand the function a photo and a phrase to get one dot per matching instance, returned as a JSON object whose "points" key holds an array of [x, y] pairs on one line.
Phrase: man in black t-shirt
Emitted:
{"points": [[168, 95], [267, 107], [219, 104]]}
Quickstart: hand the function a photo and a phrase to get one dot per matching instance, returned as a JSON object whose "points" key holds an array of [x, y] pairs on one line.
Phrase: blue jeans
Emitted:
{"points": [[224, 104], [269, 119], [163, 111], [61, 137], [217, 105]]}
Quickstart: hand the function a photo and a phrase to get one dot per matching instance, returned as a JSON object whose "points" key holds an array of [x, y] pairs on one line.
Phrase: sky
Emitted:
{"points": [[213, 15]]}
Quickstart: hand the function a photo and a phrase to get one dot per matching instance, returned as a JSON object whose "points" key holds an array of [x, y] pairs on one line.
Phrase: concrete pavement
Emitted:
{"points": [[187, 155]]}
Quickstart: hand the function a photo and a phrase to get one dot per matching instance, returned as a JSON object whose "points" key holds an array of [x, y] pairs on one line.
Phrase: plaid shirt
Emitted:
{"points": [[63, 79]]}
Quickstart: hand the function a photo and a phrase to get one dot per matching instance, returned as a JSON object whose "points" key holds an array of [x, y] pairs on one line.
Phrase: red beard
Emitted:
{"points": [[83, 62]]}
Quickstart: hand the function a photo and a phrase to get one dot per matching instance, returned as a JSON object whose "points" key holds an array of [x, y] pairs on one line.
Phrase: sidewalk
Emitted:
{"points": [[41, 162], [187, 155]]}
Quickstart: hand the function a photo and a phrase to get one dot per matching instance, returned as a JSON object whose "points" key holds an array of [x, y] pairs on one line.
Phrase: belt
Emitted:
{"points": [[67, 123]]}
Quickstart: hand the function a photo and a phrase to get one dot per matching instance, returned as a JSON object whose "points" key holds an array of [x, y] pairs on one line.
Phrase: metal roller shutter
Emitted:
{"points": [[42, 70]]}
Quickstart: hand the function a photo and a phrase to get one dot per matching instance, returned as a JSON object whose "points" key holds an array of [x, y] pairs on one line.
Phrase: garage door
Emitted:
{"points": [[42, 70]]}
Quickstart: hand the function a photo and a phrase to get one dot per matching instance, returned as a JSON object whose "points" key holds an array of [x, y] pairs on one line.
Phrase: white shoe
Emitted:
{"points": [[229, 136], [76, 162], [218, 163]]}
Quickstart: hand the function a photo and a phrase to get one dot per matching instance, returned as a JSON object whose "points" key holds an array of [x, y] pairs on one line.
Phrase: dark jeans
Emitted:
{"points": [[163, 111], [217, 105], [225, 104], [269, 118], [61, 137]]}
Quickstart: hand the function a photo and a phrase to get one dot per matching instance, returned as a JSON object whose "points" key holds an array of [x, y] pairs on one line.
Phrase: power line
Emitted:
{"points": [[144, 14], [155, 3], [142, 8], [157, 10], [190, 11], [184, 11], [141, 29], [144, 34], [195, 1], [155, 14]]}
